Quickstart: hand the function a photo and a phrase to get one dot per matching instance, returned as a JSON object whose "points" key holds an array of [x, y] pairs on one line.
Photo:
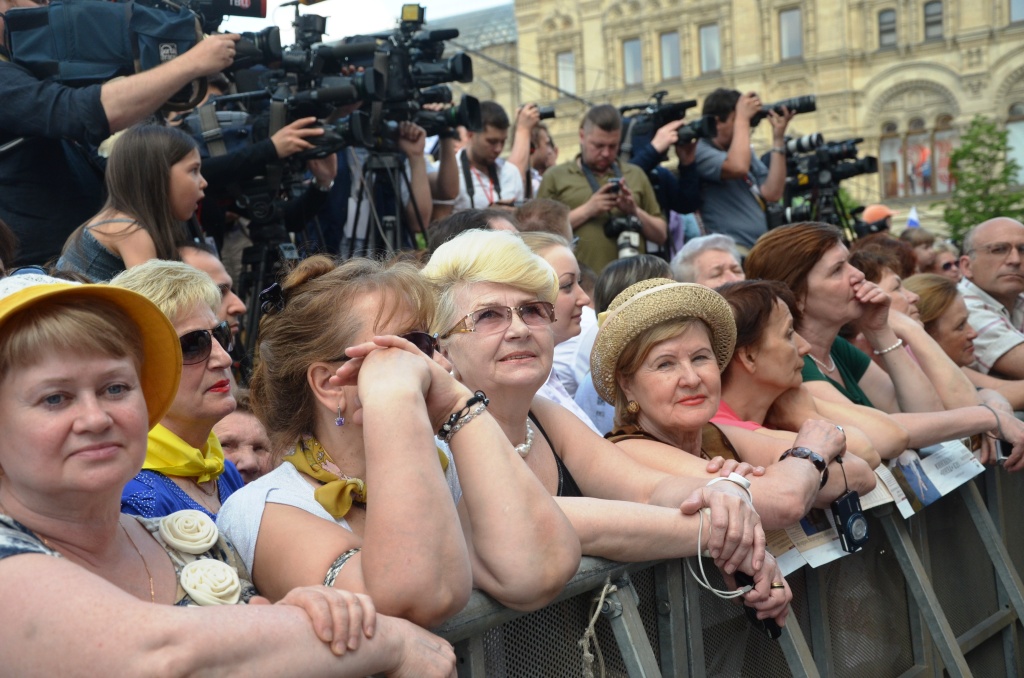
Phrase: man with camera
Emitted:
{"points": [[50, 177], [613, 208], [483, 181], [736, 187]]}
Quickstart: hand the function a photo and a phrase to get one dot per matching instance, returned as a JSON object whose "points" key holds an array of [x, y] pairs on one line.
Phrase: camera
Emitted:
{"points": [[851, 524], [704, 127], [625, 231], [804, 104], [546, 112], [804, 144], [639, 129]]}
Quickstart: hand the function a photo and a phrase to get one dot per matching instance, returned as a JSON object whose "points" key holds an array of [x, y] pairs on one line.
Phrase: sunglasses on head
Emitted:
{"points": [[197, 345], [421, 340]]}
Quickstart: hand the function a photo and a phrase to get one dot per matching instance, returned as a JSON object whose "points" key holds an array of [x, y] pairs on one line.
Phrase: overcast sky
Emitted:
{"points": [[352, 17]]}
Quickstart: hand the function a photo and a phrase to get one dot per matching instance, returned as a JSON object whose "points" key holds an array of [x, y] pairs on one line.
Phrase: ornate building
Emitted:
{"points": [[903, 74]]}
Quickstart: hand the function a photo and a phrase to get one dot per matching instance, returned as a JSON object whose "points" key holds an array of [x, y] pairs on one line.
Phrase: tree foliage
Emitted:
{"points": [[985, 179]]}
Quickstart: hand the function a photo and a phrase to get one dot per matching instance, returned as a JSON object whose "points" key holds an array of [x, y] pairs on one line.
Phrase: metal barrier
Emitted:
{"points": [[938, 591]]}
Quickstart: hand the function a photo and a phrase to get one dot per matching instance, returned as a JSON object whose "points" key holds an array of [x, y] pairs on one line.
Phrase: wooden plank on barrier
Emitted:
{"points": [[624, 617], [923, 593]]}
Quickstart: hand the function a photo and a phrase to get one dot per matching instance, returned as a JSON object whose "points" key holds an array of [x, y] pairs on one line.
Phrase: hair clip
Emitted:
{"points": [[272, 299]]}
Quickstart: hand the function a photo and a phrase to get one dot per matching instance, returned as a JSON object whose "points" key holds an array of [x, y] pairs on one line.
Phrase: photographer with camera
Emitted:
{"points": [[483, 181], [533, 149], [613, 208], [736, 187], [52, 179]]}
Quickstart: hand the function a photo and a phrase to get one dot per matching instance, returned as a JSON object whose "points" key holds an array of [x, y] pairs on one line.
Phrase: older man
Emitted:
{"points": [[992, 286], [207, 261], [709, 260]]}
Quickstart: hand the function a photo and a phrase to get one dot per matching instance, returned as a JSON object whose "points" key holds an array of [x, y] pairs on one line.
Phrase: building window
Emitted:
{"points": [[791, 34], [671, 66], [887, 28], [1015, 137], [1016, 10], [917, 163], [933, 21], [632, 62], [710, 51], [566, 62]]}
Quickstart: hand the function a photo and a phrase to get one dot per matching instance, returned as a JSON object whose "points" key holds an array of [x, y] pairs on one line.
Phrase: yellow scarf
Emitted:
{"points": [[168, 454], [337, 494]]}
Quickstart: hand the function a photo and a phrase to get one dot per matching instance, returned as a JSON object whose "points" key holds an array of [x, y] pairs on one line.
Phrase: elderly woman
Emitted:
{"points": [[944, 314], [362, 501], [659, 357], [762, 386], [185, 466], [812, 261], [494, 324], [86, 371]]}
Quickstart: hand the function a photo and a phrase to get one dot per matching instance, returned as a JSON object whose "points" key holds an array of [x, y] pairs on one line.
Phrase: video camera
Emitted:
{"points": [[639, 129]]}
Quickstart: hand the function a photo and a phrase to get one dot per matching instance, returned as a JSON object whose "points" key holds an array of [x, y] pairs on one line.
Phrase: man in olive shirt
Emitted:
{"points": [[583, 184]]}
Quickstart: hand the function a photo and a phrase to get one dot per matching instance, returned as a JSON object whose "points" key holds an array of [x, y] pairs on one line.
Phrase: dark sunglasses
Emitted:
{"points": [[950, 265], [196, 346], [421, 340]]}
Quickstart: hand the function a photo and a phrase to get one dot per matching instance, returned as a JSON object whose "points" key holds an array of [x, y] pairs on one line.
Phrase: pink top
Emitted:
{"points": [[727, 416]]}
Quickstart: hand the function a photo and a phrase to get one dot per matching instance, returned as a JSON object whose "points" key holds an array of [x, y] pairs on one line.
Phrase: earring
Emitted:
{"points": [[340, 420], [632, 407]]}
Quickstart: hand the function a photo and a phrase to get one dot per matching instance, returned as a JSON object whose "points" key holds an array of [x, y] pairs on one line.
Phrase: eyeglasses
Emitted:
{"points": [[1001, 249], [196, 346], [421, 340], [494, 319], [950, 265]]}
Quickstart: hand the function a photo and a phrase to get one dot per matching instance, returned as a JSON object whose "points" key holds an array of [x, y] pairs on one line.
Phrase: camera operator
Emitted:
{"points": [[51, 180], [483, 180], [583, 184], [735, 185], [677, 191]]}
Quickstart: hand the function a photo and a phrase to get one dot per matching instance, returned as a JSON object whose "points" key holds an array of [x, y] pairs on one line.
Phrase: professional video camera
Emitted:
{"points": [[639, 129], [814, 170]]}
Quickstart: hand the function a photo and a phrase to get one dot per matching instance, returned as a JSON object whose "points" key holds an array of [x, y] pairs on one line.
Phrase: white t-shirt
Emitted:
{"points": [[566, 352], [484, 192]]}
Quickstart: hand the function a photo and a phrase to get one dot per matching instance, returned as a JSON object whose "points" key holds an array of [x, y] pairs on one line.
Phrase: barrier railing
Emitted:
{"points": [[937, 591]]}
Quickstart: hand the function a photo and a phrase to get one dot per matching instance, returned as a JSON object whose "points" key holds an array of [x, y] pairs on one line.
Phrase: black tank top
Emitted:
{"points": [[567, 486]]}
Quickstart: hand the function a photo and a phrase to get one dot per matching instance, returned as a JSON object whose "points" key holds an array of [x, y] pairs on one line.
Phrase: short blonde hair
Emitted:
{"points": [[541, 241], [174, 286], [479, 256]]}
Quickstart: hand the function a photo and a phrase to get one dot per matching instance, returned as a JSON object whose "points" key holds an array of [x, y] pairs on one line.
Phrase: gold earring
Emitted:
{"points": [[632, 407]]}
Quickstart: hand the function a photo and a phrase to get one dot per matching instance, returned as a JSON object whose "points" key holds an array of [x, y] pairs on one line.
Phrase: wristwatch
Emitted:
{"points": [[321, 187], [811, 456]]}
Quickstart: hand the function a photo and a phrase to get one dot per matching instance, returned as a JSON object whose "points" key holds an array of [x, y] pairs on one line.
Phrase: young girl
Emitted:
{"points": [[153, 184]]}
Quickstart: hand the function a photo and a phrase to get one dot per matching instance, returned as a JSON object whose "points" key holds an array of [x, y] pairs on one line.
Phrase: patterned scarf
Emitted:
{"points": [[168, 454]]}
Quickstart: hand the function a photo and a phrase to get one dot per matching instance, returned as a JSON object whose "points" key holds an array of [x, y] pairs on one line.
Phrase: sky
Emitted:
{"points": [[351, 17]]}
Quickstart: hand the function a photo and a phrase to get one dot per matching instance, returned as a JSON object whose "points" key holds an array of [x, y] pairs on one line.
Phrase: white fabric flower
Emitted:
{"points": [[189, 531], [211, 582]]}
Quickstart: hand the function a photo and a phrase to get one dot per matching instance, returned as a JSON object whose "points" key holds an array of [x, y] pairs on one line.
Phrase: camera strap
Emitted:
{"points": [[467, 174], [592, 180]]}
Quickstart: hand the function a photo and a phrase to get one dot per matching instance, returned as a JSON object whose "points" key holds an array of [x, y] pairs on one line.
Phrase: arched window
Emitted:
{"points": [[1015, 137], [916, 162], [933, 20], [887, 28]]}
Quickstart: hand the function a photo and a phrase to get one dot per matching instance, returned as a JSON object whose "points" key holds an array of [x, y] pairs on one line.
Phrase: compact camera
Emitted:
{"points": [[850, 522]]}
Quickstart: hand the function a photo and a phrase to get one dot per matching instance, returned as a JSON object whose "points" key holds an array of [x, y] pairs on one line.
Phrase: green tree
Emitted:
{"points": [[985, 179]]}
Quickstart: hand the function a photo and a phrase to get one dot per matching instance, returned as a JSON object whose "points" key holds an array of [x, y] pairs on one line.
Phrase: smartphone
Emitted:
{"points": [[766, 626], [615, 183]]}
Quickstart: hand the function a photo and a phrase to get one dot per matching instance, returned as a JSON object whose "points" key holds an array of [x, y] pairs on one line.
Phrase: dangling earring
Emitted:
{"points": [[632, 407], [340, 420]]}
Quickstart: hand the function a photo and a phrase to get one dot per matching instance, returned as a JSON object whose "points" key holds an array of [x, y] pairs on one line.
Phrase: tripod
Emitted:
{"points": [[377, 225]]}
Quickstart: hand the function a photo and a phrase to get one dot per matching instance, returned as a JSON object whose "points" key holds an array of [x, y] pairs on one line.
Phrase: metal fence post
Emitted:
{"points": [[620, 609], [672, 620]]}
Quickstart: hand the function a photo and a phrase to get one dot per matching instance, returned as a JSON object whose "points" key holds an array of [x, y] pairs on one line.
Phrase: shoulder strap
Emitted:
{"points": [[715, 444]]}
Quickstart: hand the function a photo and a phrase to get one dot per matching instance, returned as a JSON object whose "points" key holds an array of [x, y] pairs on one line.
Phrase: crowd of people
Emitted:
{"points": [[528, 388]]}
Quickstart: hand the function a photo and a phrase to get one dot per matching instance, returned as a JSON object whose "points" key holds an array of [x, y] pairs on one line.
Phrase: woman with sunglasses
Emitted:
{"points": [[344, 379], [185, 466], [494, 322]]}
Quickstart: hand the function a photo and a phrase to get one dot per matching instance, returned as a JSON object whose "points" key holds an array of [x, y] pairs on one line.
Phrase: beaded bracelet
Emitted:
{"points": [[899, 342], [459, 419]]}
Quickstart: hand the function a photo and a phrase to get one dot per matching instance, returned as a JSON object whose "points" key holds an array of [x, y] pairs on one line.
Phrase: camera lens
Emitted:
{"points": [[858, 528]]}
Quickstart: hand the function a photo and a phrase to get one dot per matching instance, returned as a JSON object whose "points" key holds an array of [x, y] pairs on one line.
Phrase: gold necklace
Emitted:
{"points": [[145, 565], [208, 493]]}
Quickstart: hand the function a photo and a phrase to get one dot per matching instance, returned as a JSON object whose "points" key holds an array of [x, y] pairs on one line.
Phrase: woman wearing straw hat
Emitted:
{"points": [[86, 590], [658, 357], [494, 325]]}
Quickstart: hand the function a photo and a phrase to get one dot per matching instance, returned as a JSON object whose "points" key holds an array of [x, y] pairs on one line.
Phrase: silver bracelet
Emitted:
{"points": [[476, 411], [899, 342], [999, 426], [335, 568]]}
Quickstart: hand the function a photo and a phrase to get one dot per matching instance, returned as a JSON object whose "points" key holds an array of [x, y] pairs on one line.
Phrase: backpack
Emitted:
{"points": [[86, 42]]}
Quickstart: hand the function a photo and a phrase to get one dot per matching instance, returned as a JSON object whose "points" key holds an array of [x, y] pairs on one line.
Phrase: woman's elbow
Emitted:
{"points": [[531, 586]]}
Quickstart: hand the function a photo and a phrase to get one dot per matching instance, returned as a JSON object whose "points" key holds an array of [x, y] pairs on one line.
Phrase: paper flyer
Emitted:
{"points": [[786, 554], [816, 538], [878, 496], [935, 472], [896, 490]]}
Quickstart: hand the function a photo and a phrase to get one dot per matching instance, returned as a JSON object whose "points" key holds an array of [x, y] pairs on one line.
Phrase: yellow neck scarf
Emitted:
{"points": [[168, 454], [337, 494]]}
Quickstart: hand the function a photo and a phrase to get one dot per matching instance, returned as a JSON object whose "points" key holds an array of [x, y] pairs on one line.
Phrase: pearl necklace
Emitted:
{"points": [[524, 449], [823, 365]]}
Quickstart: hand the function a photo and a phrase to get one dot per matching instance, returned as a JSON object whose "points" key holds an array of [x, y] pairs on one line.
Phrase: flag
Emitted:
{"points": [[912, 220]]}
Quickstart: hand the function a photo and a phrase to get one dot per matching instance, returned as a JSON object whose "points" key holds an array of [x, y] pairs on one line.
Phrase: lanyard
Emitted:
{"points": [[468, 172]]}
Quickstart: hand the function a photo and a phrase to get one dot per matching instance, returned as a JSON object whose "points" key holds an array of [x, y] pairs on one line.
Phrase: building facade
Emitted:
{"points": [[904, 75]]}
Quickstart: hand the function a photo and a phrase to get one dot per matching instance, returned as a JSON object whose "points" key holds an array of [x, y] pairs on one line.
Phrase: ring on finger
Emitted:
{"points": [[778, 585], [841, 429]]}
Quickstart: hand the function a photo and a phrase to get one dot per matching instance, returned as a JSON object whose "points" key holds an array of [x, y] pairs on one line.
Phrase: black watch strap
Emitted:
{"points": [[811, 456]]}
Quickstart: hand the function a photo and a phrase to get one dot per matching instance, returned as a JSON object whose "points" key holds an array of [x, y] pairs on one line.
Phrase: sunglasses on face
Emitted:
{"points": [[950, 265], [421, 340], [196, 346]]}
